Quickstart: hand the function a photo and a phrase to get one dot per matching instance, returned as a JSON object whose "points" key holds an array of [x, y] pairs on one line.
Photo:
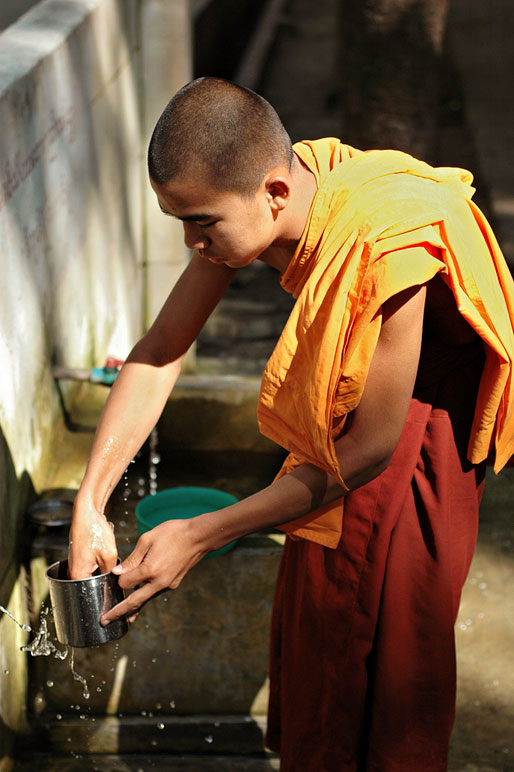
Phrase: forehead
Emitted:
{"points": [[183, 198]]}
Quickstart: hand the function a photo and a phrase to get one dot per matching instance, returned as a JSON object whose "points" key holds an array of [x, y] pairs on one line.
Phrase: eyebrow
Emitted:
{"points": [[189, 217]]}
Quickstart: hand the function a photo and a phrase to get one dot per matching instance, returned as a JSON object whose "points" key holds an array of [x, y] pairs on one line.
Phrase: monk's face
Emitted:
{"points": [[224, 227]]}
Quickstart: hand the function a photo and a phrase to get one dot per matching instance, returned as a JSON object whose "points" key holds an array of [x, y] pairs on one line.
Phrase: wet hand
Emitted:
{"points": [[159, 562], [92, 544]]}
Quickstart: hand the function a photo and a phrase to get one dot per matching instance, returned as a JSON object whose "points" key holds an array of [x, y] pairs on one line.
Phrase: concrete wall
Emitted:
{"points": [[81, 83]]}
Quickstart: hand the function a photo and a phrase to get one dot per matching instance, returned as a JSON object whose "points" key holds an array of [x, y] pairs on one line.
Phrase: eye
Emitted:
{"points": [[208, 224]]}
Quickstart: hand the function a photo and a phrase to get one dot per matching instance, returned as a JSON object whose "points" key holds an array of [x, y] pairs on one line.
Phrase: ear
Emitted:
{"points": [[278, 190]]}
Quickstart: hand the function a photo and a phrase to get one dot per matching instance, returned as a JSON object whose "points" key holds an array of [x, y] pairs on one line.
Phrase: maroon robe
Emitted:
{"points": [[363, 655]]}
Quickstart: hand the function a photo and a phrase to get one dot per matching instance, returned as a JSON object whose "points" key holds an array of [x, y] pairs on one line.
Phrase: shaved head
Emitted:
{"points": [[223, 133]]}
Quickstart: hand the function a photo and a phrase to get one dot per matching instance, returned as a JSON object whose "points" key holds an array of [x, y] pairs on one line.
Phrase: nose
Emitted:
{"points": [[193, 236]]}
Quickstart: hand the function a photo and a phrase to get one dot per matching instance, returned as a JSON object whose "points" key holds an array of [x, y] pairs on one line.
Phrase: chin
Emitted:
{"points": [[215, 260]]}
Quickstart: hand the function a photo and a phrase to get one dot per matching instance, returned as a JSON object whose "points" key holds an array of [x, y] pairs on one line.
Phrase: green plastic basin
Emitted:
{"points": [[179, 504]]}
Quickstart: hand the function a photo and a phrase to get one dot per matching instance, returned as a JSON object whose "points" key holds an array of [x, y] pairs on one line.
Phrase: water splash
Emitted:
{"points": [[78, 677], [26, 628], [41, 645]]}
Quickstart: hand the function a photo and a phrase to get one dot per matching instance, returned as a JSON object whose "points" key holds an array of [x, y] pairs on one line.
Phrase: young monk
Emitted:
{"points": [[391, 386]]}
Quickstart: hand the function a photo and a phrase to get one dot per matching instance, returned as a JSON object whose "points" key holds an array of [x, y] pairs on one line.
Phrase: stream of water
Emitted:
{"points": [[42, 646]]}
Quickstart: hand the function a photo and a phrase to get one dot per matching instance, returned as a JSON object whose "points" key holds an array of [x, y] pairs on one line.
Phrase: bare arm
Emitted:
{"points": [[164, 555], [134, 405]]}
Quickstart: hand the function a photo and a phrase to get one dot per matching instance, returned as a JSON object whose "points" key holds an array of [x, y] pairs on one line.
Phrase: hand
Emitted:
{"points": [[92, 543], [159, 562]]}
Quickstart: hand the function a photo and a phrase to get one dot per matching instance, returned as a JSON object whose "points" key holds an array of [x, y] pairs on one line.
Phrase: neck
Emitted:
{"points": [[293, 218]]}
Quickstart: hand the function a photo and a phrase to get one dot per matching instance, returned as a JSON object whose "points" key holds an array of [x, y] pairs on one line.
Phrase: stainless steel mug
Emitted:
{"points": [[78, 605]]}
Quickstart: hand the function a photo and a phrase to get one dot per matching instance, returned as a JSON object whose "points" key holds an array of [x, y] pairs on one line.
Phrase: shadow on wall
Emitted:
{"points": [[221, 35], [17, 493]]}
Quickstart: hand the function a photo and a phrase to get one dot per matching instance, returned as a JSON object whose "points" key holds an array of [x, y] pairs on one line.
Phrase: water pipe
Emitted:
{"points": [[104, 376]]}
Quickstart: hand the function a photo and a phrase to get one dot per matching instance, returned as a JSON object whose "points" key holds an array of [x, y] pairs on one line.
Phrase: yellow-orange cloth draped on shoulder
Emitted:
{"points": [[361, 245]]}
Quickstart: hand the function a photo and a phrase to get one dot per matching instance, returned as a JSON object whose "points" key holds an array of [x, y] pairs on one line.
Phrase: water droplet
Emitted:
{"points": [[154, 742], [154, 660], [482, 586], [209, 738], [160, 725], [6, 672], [58, 717], [49, 684], [496, 682]]}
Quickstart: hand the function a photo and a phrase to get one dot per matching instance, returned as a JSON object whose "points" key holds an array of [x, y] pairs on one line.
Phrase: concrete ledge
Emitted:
{"points": [[157, 762], [204, 734], [214, 412]]}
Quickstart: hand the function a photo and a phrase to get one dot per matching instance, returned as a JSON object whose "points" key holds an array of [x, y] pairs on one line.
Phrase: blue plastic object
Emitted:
{"points": [[182, 503]]}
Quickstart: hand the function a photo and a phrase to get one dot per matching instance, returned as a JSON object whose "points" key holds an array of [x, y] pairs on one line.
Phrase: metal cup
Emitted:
{"points": [[78, 605]]}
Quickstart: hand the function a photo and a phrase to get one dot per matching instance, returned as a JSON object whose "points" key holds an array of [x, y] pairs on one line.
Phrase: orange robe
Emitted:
{"points": [[372, 212], [362, 668]]}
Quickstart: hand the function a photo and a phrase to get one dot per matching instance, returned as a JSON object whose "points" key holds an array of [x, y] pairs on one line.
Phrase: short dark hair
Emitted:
{"points": [[219, 130]]}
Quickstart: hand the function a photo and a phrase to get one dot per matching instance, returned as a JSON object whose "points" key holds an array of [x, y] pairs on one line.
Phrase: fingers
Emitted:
{"points": [[132, 571], [106, 561], [131, 605]]}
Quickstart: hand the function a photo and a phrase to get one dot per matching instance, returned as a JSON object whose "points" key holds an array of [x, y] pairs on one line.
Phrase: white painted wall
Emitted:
{"points": [[81, 84]]}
